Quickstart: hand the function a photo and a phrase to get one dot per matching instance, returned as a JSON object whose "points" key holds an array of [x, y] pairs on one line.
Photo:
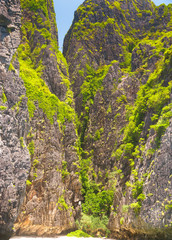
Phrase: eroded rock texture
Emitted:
{"points": [[119, 55], [117, 151], [53, 188], [14, 156]]}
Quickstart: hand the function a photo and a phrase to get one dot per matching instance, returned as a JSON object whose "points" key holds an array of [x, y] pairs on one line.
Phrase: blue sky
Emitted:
{"points": [[65, 12]]}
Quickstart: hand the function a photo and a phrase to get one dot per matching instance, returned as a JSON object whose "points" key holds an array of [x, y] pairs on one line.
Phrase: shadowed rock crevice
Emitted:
{"points": [[95, 125]]}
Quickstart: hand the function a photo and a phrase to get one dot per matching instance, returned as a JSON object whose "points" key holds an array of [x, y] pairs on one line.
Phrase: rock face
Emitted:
{"points": [[53, 187], [97, 124], [119, 56], [14, 155]]}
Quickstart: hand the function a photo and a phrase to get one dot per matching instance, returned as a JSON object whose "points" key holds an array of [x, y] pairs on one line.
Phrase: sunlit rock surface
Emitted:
{"points": [[14, 155]]}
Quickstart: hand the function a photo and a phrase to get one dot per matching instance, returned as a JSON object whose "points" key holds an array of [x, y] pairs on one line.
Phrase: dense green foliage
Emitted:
{"points": [[98, 202], [92, 224], [2, 108], [38, 91], [153, 99], [151, 49], [62, 205], [97, 198], [78, 233], [31, 147], [91, 85], [4, 98], [31, 70], [35, 5]]}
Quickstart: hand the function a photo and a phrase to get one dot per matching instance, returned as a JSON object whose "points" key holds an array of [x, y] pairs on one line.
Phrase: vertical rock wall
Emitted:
{"points": [[119, 58], [14, 126], [53, 187], [126, 109]]}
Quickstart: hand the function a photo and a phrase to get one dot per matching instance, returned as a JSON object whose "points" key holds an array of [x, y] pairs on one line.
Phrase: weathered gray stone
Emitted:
{"points": [[14, 156], [94, 41], [52, 195]]}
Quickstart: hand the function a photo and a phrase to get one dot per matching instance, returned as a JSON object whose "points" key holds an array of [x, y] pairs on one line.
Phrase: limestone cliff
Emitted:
{"points": [[96, 128], [53, 188], [119, 56], [14, 121]]}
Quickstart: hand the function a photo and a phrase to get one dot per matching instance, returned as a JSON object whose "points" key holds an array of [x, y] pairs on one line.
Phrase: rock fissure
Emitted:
{"points": [[85, 138]]}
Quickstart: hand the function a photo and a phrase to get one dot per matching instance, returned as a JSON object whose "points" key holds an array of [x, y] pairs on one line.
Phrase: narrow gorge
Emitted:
{"points": [[86, 136]]}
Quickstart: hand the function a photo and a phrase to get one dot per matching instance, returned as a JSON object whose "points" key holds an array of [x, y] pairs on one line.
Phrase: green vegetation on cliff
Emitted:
{"points": [[52, 137], [31, 69], [121, 72], [133, 108]]}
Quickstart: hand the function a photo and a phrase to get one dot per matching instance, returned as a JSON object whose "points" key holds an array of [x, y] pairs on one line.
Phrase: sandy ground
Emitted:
{"points": [[57, 238]]}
